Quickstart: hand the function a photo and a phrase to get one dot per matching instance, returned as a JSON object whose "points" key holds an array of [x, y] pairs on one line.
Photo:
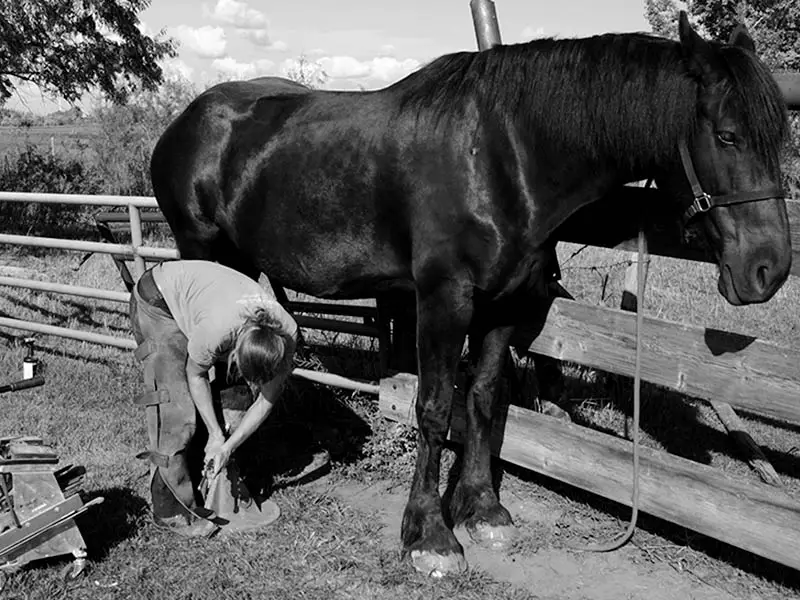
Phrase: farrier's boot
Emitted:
{"points": [[173, 513]]}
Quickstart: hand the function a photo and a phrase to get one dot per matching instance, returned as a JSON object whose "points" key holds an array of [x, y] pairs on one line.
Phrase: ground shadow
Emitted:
{"points": [[308, 420], [679, 536], [119, 517]]}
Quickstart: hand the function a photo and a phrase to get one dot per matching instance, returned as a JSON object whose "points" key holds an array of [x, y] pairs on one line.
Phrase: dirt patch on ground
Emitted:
{"points": [[544, 571]]}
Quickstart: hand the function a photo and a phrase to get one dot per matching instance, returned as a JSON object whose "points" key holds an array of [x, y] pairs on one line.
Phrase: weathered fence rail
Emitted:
{"points": [[138, 252], [749, 515]]}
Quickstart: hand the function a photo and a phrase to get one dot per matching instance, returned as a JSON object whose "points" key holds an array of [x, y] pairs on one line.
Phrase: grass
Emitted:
{"points": [[62, 139], [323, 546]]}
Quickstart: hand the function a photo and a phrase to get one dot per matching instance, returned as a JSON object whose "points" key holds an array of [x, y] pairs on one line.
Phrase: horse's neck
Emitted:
{"points": [[627, 118]]}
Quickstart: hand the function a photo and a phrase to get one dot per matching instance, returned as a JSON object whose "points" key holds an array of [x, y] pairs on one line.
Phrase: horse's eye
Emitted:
{"points": [[726, 137]]}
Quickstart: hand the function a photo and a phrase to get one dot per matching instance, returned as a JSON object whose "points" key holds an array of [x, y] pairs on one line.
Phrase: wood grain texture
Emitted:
{"points": [[755, 517], [704, 363], [596, 224]]}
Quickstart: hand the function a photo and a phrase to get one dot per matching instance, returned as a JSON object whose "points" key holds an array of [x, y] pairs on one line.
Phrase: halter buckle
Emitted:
{"points": [[702, 203]]}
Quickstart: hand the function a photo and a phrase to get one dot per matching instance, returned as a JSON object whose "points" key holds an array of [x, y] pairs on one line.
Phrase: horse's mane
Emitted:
{"points": [[623, 95]]}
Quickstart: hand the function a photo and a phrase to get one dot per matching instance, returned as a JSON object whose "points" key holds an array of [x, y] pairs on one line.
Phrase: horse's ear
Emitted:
{"points": [[697, 53], [741, 37]]}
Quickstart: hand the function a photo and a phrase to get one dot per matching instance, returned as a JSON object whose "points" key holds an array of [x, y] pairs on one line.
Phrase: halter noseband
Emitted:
{"points": [[703, 202]]}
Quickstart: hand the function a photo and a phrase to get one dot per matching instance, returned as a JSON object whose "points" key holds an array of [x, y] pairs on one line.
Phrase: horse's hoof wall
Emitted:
{"points": [[493, 537], [438, 565]]}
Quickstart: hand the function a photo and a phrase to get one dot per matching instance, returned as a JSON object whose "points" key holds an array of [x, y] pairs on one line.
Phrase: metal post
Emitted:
{"points": [[136, 240], [484, 17]]}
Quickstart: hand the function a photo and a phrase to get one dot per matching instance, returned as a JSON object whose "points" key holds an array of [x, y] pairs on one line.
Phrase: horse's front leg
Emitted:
{"points": [[474, 502], [444, 314]]}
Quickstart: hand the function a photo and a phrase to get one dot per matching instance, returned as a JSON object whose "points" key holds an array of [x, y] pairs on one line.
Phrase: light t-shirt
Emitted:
{"points": [[210, 302]]}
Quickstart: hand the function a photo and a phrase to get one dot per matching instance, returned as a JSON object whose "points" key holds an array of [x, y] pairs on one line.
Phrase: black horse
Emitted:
{"points": [[452, 181]]}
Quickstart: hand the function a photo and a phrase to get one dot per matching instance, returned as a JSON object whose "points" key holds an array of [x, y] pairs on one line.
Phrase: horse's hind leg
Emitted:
{"points": [[474, 502]]}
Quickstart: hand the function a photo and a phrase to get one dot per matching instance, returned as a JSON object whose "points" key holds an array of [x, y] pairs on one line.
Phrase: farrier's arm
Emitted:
{"points": [[255, 415], [200, 389]]}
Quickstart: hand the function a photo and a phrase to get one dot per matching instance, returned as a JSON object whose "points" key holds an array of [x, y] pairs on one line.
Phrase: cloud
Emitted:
{"points": [[261, 37], [230, 67], [385, 68], [238, 14], [206, 41], [530, 33], [344, 67]]}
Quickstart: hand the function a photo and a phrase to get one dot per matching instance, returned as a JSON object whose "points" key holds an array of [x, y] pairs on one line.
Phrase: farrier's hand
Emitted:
{"points": [[218, 459], [213, 446]]}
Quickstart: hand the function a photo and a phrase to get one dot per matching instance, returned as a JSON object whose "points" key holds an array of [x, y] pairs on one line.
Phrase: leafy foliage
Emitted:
{"points": [[35, 171], [127, 135], [663, 16], [67, 47], [774, 25]]}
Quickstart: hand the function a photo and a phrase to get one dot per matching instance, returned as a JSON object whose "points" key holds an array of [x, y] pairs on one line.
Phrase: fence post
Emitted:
{"points": [[484, 17], [136, 240]]}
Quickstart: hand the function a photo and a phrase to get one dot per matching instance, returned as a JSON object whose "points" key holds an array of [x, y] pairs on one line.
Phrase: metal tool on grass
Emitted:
{"points": [[38, 502]]}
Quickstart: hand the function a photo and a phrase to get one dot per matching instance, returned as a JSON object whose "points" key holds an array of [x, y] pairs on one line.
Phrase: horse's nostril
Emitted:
{"points": [[761, 277]]}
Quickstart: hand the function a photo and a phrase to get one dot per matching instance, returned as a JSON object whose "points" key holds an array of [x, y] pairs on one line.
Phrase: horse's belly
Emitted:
{"points": [[331, 272]]}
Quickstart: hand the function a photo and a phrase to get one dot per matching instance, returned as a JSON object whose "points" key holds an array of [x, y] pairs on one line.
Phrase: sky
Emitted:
{"points": [[360, 44]]}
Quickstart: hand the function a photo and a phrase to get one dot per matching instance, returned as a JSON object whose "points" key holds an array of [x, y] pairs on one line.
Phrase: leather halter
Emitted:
{"points": [[703, 202]]}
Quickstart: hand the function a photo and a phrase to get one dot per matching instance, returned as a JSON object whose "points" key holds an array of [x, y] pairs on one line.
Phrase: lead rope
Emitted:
{"points": [[624, 538]]}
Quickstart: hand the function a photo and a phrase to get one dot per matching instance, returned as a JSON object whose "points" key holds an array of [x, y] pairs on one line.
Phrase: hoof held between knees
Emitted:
{"points": [[494, 537], [438, 565]]}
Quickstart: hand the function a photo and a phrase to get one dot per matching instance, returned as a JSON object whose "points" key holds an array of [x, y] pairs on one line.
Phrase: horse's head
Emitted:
{"points": [[729, 180]]}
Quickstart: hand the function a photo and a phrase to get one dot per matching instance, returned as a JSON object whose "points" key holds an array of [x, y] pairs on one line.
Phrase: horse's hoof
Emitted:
{"points": [[493, 537], [438, 565]]}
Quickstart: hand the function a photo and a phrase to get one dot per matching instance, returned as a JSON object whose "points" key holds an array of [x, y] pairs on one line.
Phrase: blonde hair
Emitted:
{"points": [[262, 351]]}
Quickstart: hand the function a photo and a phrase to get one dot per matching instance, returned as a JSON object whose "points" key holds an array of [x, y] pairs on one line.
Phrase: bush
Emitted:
{"points": [[127, 135], [35, 171]]}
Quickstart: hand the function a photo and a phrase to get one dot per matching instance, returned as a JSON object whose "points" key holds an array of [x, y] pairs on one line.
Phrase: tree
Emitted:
{"points": [[67, 47], [773, 24], [663, 16], [127, 134], [307, 72]]}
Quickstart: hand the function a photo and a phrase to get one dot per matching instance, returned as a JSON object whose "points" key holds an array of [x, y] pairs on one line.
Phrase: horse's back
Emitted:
{"points": [[284, 176], [187, 160]]}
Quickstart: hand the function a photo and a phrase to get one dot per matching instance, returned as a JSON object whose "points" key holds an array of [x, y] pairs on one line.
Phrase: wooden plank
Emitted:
{"points": [[754, 516], [789, 83], [328, 308], [748, 373], [751, 451], [336, 325], [598, 224]]}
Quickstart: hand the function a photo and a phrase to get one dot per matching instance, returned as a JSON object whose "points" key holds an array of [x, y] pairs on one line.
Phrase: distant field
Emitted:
{"points": [[63, 139]]}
